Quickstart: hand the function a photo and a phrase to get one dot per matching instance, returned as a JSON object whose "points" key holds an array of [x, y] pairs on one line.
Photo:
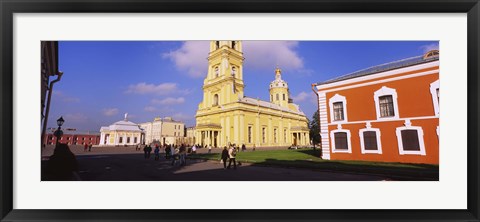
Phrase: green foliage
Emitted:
{"points": [[314, 126]]}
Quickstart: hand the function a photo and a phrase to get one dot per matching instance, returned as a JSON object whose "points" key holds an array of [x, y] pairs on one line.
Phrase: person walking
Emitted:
{"points": [[194, 149], [168, 151], [175, 156], [231, 154], [224, 157], [210, 148], [149, 151], [85, 147], [90, 148], [253, 149], [157, 152], [145, 151], [183, 155], [244, 148]]}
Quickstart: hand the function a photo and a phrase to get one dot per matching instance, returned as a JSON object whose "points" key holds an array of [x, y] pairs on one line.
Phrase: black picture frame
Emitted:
{"points": [[9, 7]]}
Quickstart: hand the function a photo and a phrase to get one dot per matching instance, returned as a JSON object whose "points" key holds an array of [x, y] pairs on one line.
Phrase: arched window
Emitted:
{"points": [[215, 100], [217, 44], [338, 109], [217, 72], [234, 70], [386, 105], [233, 45], [341, 142]]}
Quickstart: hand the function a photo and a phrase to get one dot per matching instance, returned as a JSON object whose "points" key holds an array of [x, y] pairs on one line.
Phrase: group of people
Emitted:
{"points": [[87, 147], [176, 153], [229, 154]]}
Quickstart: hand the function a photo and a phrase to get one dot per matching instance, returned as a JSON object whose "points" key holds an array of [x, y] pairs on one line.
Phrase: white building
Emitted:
{"points": [[121, 133], [164, 131]]}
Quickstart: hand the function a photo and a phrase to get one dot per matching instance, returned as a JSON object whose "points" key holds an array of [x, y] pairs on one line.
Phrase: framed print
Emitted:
{"points": [[269, 110]]}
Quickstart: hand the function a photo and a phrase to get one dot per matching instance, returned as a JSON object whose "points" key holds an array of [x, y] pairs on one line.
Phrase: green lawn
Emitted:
{"points": [[308, 158]]}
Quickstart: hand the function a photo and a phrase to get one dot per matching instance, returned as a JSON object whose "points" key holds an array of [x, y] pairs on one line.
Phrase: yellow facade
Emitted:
{"points": [[226, 116]]}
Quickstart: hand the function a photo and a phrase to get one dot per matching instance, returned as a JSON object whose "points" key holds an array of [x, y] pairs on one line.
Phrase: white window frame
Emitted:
{"points": [[332, 137], [362, 141], [386, 91], [331, 101], [421, 142], [433, 90]]}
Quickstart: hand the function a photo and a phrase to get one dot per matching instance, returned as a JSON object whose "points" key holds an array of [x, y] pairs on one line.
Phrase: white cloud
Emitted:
{"points": [[302, 96], [182, 116], [268, 54], [191, 57], [75, 117], [429, 47], [150, 109], [110, 111], [63, 97], [169, 101], [160, 89]]}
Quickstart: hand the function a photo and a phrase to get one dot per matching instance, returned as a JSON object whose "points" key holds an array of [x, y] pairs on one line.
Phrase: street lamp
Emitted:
{"points": [[58, 133]]}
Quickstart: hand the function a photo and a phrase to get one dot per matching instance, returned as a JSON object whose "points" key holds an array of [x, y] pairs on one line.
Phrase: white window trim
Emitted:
{"points": [[385, 91], [419, 129], [331, 101], [332, 137], [433, 90], [362, 141]]}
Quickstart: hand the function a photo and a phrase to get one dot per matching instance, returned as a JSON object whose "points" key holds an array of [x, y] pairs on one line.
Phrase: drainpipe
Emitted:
{"points": [[318, 108], [47, 110]]}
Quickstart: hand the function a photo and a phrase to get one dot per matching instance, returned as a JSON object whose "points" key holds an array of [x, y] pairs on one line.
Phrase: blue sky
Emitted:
{"points": [[104, 79]]}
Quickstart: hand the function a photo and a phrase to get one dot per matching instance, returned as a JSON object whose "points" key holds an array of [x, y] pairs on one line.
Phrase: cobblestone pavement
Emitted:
{"points": [[134, 167]]}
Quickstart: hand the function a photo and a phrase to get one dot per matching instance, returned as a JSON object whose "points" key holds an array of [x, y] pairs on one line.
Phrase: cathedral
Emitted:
{"points": [[226, 116]]}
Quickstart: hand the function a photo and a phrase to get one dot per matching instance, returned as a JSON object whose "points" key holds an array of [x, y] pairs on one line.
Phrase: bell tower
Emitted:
{"points": [[279, 93], [224, 81]]}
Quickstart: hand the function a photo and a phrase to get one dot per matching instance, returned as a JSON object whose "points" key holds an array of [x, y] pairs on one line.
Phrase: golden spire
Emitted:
{"points": [[278, 72]]}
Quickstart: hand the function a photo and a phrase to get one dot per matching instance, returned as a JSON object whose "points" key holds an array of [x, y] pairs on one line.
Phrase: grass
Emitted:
{"points": [[308, 158]]}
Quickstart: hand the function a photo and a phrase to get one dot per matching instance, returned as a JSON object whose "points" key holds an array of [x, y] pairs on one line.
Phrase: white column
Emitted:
{"points": [[227, 139], [257, 138], [322, 101], [242, 128], [102, 138], [280, 135], [221, 133], [269, 131], [236, 126]]}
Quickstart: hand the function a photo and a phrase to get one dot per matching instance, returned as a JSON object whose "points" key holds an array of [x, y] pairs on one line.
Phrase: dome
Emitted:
{"points": [[278, 82]]}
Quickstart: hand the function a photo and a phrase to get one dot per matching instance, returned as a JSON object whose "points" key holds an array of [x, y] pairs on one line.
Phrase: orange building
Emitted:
{"points": [[386, 113]]}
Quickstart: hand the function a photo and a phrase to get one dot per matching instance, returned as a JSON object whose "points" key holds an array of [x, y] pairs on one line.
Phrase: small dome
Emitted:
{"points": [[278, 82]]}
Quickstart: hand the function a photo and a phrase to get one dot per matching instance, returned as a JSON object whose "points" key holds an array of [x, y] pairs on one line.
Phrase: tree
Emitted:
{"points": [[314, 126]]}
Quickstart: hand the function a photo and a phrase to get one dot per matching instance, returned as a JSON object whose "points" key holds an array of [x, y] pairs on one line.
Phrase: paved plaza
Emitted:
{"points": [[134, 167]]}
